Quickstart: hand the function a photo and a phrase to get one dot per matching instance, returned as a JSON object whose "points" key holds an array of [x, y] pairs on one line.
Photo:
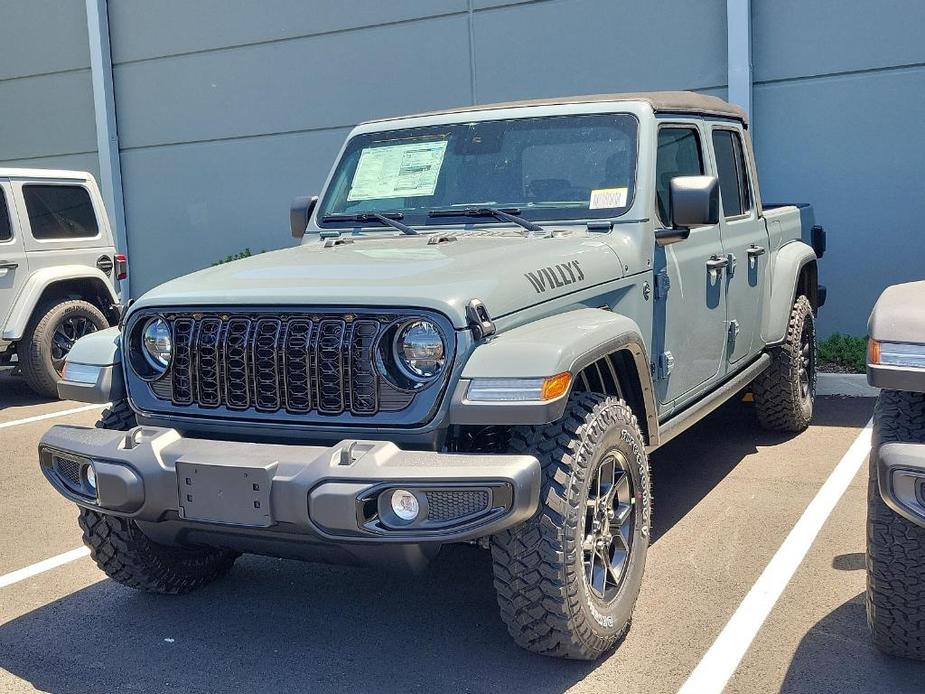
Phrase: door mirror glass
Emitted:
{"points": [[299, 213], [694, 201]]}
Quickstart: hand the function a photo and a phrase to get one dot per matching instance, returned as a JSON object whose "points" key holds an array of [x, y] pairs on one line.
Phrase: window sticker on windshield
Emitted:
{"points": [[397, 171], [604, 198]]}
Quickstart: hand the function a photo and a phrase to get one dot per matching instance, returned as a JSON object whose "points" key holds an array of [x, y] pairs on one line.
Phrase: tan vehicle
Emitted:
{"points": [[59, 270], [896, 493]]}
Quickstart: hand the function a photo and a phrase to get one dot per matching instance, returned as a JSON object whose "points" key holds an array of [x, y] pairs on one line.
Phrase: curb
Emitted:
{"points": [[850, 385]]}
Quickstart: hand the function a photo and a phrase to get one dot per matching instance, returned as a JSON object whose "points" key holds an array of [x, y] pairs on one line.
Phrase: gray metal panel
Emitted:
{"points": [[792, 38], [143, 29], [189, 205], [842, 144], [46, 115], [593, 46], [325, 81], [42, 36]]}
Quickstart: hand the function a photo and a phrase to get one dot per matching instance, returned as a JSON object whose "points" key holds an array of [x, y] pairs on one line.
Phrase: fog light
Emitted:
{"points": [[405, 505], [91, 478]]}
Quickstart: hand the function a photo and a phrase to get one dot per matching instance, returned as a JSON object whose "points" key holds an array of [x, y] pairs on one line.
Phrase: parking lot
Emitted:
{"points": [[726, 495]]}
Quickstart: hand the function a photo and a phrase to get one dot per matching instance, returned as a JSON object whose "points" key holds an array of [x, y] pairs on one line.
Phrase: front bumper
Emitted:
{"points": [[901, 478], [286, 499]]}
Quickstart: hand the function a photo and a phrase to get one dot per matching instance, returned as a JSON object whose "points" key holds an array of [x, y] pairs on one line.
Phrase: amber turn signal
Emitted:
{"points": [[873, 352], [557, 385]]}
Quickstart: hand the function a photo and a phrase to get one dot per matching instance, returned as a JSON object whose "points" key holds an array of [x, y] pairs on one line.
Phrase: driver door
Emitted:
{"points": [[690, 305]]}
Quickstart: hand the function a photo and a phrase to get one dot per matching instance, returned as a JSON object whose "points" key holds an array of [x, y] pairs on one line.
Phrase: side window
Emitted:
{"points": [[60, 212], [733, 176], [679, 154], [6, 227]]}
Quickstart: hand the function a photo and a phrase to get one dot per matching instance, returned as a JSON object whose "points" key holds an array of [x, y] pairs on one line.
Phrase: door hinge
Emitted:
{"points": [[662, 367], [733, 329], [662, 284]]}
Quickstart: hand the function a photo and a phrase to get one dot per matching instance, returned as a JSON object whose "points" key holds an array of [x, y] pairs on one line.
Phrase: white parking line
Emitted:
{"points": [[720, 662], [42, 566], [51, 415]]}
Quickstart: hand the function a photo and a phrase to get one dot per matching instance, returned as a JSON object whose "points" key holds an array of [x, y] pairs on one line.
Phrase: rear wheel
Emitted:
{"points": [[567, 580], [128, 556], [49, 336], [786, 392], [895, 546]]}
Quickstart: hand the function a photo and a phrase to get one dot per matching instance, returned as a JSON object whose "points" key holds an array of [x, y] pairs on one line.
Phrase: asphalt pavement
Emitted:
{"points": [[726, 495]]}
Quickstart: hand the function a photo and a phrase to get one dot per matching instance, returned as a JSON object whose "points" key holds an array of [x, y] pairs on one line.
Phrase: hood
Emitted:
{"points": [[506, 272]]}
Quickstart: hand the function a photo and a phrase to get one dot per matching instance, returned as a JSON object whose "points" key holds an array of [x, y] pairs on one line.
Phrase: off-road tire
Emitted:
{"points": [[780, 402], [895, 546], [538, 566], [127, 556], [124, 552], [35, 348], [119, 417]]}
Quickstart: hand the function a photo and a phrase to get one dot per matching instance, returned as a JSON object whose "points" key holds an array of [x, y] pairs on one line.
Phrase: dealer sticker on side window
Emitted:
{"points": [[397, 171], [604, 198]]}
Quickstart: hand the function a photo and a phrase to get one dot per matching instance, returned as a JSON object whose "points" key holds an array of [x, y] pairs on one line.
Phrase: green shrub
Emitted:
{"points": [[846, 351], [246, 253]]}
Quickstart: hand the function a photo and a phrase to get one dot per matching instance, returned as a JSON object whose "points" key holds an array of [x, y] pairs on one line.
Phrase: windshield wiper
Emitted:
{"points": [[389, 219], [508, 214]]}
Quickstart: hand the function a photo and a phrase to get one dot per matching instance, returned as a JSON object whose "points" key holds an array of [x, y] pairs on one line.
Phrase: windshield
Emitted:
{"points": [[550, 168]]}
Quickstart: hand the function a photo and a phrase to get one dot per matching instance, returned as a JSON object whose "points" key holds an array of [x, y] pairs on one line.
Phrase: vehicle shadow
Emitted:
{"points": [[687, 468], [15, 393], [837, 655], [274, 625]]}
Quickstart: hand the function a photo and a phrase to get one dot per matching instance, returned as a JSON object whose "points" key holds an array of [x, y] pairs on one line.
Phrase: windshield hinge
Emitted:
{"points": [[329, 234], [479, 321]]}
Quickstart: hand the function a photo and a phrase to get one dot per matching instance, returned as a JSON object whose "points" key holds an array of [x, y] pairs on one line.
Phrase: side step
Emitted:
{"points": [[694, 412]]}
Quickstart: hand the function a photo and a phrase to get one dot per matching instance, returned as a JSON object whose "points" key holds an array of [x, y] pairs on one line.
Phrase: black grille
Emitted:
{"points": [[68, 470], [320, 363], [454, 504]]}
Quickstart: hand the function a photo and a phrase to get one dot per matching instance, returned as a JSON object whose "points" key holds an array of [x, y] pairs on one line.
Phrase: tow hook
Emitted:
{"points": [[479, 321]]}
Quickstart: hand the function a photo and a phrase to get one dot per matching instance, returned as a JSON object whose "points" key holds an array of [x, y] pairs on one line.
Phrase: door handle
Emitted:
{"points": [[8, 265], [755, 251], [717, 263]]}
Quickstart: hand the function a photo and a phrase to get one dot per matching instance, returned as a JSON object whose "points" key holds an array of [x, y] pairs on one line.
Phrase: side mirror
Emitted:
{"points": [[299, 213], [694, 202]]}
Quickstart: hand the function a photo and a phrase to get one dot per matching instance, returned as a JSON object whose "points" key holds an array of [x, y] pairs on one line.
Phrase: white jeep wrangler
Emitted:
{"points": [[59, 270]]}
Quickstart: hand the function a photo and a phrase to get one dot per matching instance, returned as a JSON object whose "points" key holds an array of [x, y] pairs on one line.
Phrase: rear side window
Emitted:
{"points": [[678, 155], [6, 227], [733, 176], [60, 212]]}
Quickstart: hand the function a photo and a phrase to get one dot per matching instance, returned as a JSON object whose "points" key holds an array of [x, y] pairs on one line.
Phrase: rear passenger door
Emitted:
{"points": [[60, 222], [745, 242]]}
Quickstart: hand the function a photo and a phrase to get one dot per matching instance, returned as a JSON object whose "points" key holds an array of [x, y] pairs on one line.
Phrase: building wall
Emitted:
{"points": [[225, 115], [838, 108], [46, 99]]}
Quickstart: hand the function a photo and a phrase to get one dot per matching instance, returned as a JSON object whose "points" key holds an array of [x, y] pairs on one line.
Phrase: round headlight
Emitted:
{"points": [[156, 343], [419, 349]]}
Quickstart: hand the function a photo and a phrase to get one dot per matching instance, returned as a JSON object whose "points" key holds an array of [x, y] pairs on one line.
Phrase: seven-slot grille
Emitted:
{"points": [[300, 364]]}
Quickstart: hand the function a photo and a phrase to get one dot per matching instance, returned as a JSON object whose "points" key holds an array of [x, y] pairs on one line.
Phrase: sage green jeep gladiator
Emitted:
{"points": [[495, 315]]}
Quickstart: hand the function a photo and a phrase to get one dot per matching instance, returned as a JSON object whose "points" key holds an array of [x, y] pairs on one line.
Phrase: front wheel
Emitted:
{"points": [[895, 545], [567, 580], [119, 547]]}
